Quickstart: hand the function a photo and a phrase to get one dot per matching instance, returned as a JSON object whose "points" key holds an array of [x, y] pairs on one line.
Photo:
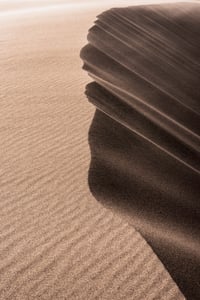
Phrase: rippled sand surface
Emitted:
{"points": [[56, 241]]}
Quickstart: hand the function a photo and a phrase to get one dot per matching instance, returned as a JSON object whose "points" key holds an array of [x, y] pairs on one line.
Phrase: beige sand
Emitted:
{"points": [[57, 241]]}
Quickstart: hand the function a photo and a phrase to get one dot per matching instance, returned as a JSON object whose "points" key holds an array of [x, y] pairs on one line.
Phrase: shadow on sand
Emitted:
{"points": [[158, 196], [144, 138]]}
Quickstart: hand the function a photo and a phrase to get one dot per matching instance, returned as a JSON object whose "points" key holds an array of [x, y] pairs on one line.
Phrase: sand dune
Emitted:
{"points": [[56, 241], [145, 136]]}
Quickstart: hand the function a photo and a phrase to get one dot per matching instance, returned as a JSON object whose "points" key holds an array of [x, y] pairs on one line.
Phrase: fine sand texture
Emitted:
{"points": [[56, 241], [145, 136]]}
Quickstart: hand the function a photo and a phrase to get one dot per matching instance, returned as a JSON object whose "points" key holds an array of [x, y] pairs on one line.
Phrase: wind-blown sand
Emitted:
{"points": [[57, 241]]}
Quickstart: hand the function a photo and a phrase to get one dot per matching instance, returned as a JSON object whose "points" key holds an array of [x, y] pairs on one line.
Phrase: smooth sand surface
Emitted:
{"points": [[56, 240]]}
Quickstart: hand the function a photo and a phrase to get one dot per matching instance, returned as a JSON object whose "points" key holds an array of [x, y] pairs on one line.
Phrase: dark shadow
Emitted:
{"points": [[155, 194], [145, 135]]}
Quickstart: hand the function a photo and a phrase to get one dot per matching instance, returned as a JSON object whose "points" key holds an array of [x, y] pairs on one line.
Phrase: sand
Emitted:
{"points": [[57, 241]]}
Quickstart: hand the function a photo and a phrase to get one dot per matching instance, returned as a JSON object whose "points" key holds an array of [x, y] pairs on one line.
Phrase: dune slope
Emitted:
{"points": [[145, 135]]}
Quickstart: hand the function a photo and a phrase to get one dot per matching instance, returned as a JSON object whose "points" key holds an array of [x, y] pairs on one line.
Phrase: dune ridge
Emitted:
{"points": [[145, 135]]}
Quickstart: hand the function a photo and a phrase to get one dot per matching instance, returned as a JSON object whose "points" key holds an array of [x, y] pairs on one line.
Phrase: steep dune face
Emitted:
{"points": [[144, 138]]}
